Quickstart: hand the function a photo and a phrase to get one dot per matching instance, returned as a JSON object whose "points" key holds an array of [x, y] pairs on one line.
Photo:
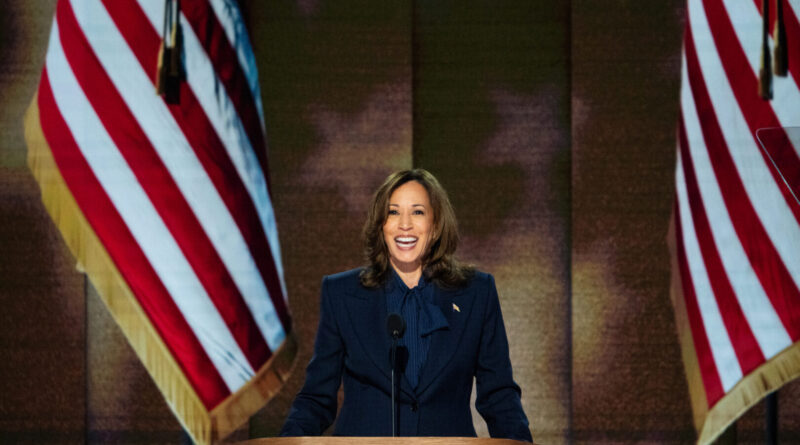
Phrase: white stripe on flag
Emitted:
{"points": [[230, 18], [721, 348], [217, 105], [142, 219], [762, 190], [175, 151]]}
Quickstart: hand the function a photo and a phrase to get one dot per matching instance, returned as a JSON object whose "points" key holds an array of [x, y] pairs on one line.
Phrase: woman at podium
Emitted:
{"points": [[445, 319]]}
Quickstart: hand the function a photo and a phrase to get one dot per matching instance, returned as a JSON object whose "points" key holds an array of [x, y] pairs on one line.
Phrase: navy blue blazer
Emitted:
{"points": [[352, 347]]}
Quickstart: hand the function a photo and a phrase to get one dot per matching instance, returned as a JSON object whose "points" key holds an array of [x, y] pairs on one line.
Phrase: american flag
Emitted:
{"points": [[736, 237], [164, 199]]}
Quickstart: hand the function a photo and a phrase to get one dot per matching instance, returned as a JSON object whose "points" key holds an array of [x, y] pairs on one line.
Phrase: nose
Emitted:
{"points": [[405, 221]]}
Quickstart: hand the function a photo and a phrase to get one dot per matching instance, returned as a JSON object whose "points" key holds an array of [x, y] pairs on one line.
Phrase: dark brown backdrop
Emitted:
{"points": [[550, 123]]}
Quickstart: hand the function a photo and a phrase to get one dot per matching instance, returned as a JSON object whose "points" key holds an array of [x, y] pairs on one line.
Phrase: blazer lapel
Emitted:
{"points": [[367, 313], [443, 344]]}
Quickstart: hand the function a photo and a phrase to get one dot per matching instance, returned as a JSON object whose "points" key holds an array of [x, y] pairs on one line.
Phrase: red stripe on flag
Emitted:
{"points": [[144, 42], [705, 359], [757, 112], [211, 35], [162, 191], [126, 253], [748, 352], [767, 264]]}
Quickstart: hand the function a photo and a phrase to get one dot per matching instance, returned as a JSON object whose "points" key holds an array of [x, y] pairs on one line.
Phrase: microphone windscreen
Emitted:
{"points": [[395, 325]]}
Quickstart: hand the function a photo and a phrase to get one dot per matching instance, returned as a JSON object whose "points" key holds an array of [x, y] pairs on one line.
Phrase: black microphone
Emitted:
{"points": [[396, 327]]}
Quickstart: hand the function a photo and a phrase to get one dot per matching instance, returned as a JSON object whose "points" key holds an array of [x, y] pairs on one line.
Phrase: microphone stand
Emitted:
{"points": [[394, 404], [395, 326]]}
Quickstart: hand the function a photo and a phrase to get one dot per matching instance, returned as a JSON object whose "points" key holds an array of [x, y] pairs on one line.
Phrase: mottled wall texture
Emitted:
{"points": [[551, 124]]}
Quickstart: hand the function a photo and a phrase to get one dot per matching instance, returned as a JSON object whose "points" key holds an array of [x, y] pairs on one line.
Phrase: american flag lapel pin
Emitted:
{"points": [[455, 308]]}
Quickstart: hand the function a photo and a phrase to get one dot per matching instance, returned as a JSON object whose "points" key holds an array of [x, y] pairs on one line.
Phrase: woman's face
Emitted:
{"points": [[409, 226]]}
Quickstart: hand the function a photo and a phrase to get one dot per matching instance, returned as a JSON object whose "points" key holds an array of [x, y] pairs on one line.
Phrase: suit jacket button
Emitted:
{"points": [[414, 407]]}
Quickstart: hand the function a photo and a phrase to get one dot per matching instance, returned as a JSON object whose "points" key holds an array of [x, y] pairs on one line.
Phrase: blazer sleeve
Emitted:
{"points": [[314, 408], [498, 396]]}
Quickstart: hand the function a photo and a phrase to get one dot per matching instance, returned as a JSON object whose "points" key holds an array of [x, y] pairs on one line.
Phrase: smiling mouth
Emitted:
{"points": [[406, 242]]}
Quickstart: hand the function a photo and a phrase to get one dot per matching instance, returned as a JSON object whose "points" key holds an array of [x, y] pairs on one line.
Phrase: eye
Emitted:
{"points": [[393, 212], [419, 212]]}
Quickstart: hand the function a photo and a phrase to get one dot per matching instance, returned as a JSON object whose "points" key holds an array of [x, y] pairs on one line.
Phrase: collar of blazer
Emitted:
{"points": [[367, 312]]}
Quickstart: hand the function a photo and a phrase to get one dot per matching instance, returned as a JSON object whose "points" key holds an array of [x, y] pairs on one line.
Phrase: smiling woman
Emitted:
{"points": [[421, 192], [407, 230], [454, 335]]}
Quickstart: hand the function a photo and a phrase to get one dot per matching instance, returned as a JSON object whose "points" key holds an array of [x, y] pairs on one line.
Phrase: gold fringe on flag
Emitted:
{"points": [[204, 427], [697, 391], [765, 70], [781, 59], [711, 422], [767, 378]]}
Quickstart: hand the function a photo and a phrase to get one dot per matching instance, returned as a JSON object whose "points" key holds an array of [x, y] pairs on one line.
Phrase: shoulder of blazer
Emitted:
{"points": [[347, 282], [481, 279], [479, 284]]}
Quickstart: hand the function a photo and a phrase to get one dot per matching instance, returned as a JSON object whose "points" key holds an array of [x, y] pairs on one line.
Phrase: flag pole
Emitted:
{"points": [[771, 420]]}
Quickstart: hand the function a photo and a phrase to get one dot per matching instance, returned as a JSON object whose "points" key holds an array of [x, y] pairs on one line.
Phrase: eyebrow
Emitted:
{"points": [[412, 205]]}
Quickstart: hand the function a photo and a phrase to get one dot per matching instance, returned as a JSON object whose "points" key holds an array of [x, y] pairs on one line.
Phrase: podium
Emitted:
{"points": [[345, 440]]}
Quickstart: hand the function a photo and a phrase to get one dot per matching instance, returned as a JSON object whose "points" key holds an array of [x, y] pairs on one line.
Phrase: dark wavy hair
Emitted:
{"points": [[438, 263]]}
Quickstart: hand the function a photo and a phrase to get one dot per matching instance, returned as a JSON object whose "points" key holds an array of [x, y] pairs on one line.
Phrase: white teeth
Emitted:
{"points": [[406, 239]]}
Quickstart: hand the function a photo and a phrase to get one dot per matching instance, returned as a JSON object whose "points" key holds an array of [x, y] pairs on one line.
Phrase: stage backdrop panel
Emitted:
{"points": [[42, 331], [491, 121], [336, 87], [628, 379]]}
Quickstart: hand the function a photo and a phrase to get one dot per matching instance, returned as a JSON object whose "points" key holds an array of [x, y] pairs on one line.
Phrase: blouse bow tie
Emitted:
{"points": [[430, 318], [423, 317]]}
